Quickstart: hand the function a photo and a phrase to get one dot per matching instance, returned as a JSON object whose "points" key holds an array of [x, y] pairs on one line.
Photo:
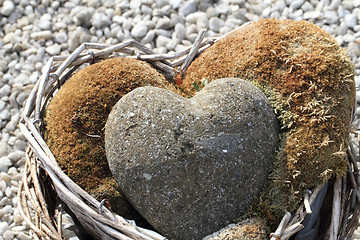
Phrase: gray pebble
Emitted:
{"points": [[16, 155], [350, 20], [149, 38], [61, 37], [135, 4], [311, 15], [188, 7], [82, 15], [307, 7], [146, 10], [2, 105], [164, 23], [161, 41], [342, 12], [45, 22], [162, 32], [7, 8], [171, 45], [5, 163], [161, 3], [176, 18], [180, 31], [5, 114], [348, 4], [5, 90], [215, 24], [41, 35], [100, 20], [4, 226], [8, 235], [20, 145], [237, 2], [175, 3], [331, 17], [23, 236], [296, 4], [53, 49], [348, 38], [139, 30]]}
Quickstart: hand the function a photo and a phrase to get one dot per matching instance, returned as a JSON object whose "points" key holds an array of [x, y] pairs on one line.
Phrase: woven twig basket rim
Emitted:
{"points": [[97, 219]]}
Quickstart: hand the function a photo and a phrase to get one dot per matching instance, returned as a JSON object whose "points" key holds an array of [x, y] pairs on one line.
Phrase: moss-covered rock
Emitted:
{"points": [[75, 123], [309, 79]]}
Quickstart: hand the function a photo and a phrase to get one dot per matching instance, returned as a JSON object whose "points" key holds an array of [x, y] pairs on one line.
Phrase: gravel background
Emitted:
{"points": [[33, 30]]}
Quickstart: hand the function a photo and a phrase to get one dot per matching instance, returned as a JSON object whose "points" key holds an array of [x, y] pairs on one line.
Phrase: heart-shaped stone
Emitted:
{"points": [[191, 166]]}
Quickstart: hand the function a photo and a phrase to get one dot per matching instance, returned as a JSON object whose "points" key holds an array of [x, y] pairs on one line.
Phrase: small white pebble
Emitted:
{"points": [[8, 192], [8, 235], [23, 236], [2, 185], [18, 228]]}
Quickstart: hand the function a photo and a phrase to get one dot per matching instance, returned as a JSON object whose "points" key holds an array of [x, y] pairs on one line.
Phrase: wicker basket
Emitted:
{"points": [[43, 181]]}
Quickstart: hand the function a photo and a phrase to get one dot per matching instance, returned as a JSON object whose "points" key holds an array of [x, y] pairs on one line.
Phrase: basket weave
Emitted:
{"points": [[44, 181]]}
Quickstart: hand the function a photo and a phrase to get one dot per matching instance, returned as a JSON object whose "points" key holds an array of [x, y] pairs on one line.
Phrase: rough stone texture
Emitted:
{"points": [[191, 166]]}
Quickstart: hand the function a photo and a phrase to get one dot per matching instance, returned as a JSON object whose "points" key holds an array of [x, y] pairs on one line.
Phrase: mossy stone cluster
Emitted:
{"points": [[309, 79], [75, 123]]}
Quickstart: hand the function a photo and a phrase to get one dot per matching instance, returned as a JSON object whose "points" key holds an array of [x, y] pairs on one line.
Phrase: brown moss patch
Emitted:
{"points": [[75, 122], [248, 229], [309, 79]]}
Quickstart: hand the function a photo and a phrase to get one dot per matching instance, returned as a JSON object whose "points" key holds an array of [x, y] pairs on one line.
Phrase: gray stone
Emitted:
{"points": [[331, 17], [215, 24], [82, 15], [175, 3], [15, 156], [5, 90], [146, 10], [135, 4], [4, 226], [45, 22], [237, 2], [180, 31], [54, 49], [350, 20], [139, 30], [60, 37], [161, 41], [5, 163], [161, 3], [164, 23], [7, 8], [100, 20], [296, 4], [8, 235], [307, 7], [205, 157], [2, 104], [149, 38], [20, 145], [187, 8], [312, 15], [46, 35]]}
